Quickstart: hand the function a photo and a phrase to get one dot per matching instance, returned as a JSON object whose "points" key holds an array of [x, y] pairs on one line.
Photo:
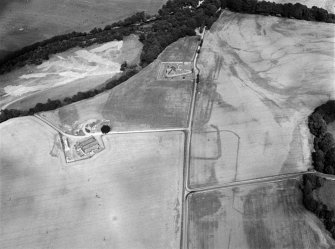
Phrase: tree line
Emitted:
{"points": [[323, 159], [176, 19], [288, 10], [325, 214], [323, 156]]}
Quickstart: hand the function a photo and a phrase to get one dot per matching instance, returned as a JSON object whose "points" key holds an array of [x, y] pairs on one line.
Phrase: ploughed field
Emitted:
{"points": [[128, 196], [145, 101], [65, 74], [26, 22], [256, 216], [260, 78]]}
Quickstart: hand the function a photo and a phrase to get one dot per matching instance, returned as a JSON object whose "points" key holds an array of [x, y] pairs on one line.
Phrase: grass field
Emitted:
{"points": [[326, 194], [127, 196], [258, 216], [26, 22], [142, 102], [260, 78], [67, 73]]}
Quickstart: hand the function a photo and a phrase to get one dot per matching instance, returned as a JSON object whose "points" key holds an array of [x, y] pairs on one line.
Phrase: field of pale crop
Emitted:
{"points": [[65, 74], [29, 21], [260, 79], [127, 196], [256, 216], [142, 102]]}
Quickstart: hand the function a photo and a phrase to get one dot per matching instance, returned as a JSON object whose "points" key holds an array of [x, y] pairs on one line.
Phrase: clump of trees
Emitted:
{"points": [[323, 161], [289, 10], [326, 215], [324, 143]]}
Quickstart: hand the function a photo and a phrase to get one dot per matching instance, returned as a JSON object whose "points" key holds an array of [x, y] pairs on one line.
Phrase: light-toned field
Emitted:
{"points": [[258, 216], [212, 147], [41, 19], [181, 51], [260, 77], [127, 196], [142, 102], [328, 5], [67, 73]]}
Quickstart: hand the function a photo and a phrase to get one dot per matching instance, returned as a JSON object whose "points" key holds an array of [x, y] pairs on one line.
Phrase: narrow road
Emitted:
{"points": [[109, 133], [252, 181]]}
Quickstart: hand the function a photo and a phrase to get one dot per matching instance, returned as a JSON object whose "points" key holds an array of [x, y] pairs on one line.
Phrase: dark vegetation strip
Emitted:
{"points": [[176, 19], [323, 161]]}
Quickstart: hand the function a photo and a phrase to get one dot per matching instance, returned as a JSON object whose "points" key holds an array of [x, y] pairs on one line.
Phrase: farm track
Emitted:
{"points": [[187, 148]]}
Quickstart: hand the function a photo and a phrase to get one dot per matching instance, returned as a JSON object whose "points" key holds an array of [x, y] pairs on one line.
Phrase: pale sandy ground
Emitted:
{"points": [[96, 63], [269, 73], [128, 196], [328, 5], [259, 216]]}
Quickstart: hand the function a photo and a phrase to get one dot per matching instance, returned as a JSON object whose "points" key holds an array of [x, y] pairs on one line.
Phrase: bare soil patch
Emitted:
{"points": [[65, 74]]}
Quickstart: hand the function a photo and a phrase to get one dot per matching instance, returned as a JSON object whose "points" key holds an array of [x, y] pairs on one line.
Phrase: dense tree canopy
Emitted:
{"points": [[324, 142]]}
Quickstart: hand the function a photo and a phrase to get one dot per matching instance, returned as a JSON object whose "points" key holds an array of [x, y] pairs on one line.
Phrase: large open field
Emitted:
{"points": [[128, 196], [67, 73], [260, 79], [142, 102], [24, 22], [257, 216]]}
